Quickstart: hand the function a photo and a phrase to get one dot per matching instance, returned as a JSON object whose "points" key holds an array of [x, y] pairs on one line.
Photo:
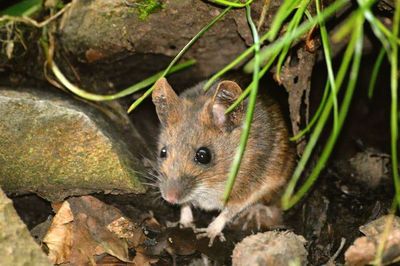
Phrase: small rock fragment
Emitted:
{"points": [[271, 248]]}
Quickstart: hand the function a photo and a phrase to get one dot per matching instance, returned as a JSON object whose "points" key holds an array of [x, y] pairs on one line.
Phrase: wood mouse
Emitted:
{"points": [[197, 144]]}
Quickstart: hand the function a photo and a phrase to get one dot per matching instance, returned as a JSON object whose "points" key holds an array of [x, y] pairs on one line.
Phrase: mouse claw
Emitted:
{"points": [[207, 232], [262, 215]]}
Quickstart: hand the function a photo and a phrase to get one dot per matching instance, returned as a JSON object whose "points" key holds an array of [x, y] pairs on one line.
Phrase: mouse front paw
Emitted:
{"points": [[210, 232], [187, 225]]}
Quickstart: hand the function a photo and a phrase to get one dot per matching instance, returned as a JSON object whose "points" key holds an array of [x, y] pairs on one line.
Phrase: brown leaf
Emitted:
{"points": [[125, 228], [59, 237], [386, 228], [84, 227], [361, 252]]}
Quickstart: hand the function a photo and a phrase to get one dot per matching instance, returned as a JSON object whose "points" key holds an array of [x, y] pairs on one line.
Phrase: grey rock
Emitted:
{"points": [[17, 247], [56, 148]]}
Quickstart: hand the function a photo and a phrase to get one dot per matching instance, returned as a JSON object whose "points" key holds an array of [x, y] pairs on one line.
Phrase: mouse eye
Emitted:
{"points": [[163, 152], [203, 155]]}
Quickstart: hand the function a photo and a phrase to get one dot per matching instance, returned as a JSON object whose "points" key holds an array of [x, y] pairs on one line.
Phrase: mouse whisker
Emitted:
{"points": [[153, 178], [150, 184]]}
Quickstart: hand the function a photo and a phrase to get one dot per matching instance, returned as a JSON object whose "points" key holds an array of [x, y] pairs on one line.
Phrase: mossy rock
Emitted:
{"points": [[57, 148]]}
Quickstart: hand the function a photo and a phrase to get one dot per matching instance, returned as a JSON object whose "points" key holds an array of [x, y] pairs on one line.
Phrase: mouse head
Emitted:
{"points": [[197, 141]]}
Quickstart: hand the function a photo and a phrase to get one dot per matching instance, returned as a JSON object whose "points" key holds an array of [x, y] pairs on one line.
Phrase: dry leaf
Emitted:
{"points": [[59, 237], [364, 249], [84, 227], [125, 228]]}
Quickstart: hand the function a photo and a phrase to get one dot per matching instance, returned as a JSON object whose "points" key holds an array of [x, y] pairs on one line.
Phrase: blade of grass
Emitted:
{"points": [[320, 124], [331, 77], [385, 30], [249, 113], [180, 54], [292, 200], [247, 91], [346, 28], [132, 89], [290, 36], [23, 8], [231, 4], [234, 63], [394, 75], [277, 45], [293, 24], [281, 15], [365, 7], [375, 72]]}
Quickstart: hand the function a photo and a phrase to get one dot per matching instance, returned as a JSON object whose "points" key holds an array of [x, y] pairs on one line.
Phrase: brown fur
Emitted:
{"points": [[267, 163]]}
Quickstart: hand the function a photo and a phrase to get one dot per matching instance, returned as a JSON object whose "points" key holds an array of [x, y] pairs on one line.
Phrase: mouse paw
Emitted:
{"points": [[187, 225], [211, 233], [264, 216]]}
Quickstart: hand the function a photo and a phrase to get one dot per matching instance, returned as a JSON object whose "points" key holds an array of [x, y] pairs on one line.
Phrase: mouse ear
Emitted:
{"points": [[166, 102], [225, 95]]}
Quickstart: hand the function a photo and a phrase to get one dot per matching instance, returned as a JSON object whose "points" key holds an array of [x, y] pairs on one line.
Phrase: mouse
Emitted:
{"points": [[196, 146]]}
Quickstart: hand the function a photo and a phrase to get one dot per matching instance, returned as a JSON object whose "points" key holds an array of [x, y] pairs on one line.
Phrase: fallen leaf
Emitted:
{"points": [[59, 237], [84, 227], [364, 249]]}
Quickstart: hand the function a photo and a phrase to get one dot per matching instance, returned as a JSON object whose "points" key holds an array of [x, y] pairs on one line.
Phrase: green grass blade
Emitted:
{"points": [[23, 8], [293, 24], [288, 37], [328, 59], [394, 76], [282, 14], [234, 63], [342, 115], [249, 88], [132, 89], [277, 45], [365, 7], [179, 55], [375, 71], [286, 199], [346, 28], [249, 113], [231, 4], [385, 31]]}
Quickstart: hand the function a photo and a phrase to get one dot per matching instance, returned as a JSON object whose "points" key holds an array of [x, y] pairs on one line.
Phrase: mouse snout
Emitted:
{"points": [[173, 190], [172, 196]]}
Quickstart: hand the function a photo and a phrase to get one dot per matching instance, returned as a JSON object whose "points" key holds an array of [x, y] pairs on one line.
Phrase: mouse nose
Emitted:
{"points": [[174, 190], [171, 197]]}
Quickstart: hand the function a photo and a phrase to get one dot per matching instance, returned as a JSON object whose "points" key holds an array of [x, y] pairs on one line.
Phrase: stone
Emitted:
{"points": [[56, 147], [17, 247], [271, 248]]}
